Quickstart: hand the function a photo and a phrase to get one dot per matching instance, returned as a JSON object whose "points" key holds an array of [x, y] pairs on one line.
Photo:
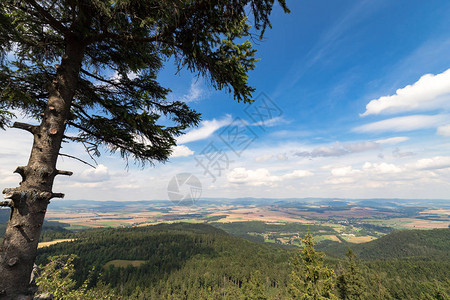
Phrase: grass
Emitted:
{"points": [[358, 239]]}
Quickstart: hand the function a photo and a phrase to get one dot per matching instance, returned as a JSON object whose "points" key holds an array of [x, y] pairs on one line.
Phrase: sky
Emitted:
{"points": [[352, 101]]}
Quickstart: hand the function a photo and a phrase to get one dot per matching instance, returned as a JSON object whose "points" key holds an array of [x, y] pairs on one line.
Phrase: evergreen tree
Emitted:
{"points": [[255, 288], [57, 58], [310, 279], [350, 282]]}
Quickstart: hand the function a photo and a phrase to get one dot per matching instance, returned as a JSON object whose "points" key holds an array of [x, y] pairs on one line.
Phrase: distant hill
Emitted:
{"points": [[433, 243]]}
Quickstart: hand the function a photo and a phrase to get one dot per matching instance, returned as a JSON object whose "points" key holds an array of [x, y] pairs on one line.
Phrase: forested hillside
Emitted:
{"points": [[198, 261], [408, 243]]}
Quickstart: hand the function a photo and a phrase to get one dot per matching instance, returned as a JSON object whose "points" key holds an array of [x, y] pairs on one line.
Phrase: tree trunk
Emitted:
{"points": [[29, 201]]}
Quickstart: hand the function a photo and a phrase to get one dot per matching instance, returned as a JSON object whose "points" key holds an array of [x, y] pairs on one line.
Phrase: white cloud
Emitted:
{"points": [[271, 122], [207, 128], [128, 186], [444, 130], [262, 176], [381, 168], [263, 158], [195, 92], [256, 177], [393, 140], [399, 154], [428, 93], [298, 174], [116, 76], [282, 157], [344, 171], [434, 163], [339, 181], [407, 123], [99, 174], [181, 151], [339, 149]]}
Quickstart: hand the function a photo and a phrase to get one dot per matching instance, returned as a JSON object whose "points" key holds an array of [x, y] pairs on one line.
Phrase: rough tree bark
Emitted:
{"points": [[29, 201]]}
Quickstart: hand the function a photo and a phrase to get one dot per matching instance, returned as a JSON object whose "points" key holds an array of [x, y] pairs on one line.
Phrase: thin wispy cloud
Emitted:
{"points": [[207, 129], [339, 149], [333, 36], [393, 140], [403, 124], [195, 92], [271, 122]]}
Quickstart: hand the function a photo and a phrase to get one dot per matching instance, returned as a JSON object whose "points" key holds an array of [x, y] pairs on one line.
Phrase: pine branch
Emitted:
{"points": [[50, 19], [125, 38], [76, 158]]}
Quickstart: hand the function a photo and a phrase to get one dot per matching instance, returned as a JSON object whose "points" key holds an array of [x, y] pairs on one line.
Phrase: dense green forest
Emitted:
{"points": [[199, 261]]}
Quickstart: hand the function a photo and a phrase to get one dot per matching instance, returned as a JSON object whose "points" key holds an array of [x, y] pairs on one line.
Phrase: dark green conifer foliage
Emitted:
{"points": [[255, 287], [350, 282], [57, 58], [309, 278]]}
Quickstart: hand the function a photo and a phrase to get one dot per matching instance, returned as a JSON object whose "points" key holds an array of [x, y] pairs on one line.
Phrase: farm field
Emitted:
{"points": [[277, 221], [57, 241]]}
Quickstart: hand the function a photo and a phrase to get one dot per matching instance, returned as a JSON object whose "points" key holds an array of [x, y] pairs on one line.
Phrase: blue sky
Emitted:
{"points": [[361, 98]]}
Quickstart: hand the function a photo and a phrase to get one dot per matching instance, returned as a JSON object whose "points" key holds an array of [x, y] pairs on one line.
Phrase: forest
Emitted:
{"points": [[199, 261]]}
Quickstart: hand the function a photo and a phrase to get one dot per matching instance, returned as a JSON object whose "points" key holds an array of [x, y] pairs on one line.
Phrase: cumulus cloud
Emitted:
{"points": [[344, 171], [256, 177], [407, 123], [207, 128], [99, 174], [434, 163], [381, 168], [444, 130], [181, 151], [428, 93], [297, 174], [339, 149], [342, 180]]}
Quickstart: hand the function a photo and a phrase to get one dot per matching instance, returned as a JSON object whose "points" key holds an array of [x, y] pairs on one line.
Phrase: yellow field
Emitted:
{"points": [[333, 238], [359, 239], [46, 244]]}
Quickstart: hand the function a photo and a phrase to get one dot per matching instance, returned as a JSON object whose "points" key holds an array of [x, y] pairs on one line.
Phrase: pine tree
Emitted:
{"points": [[255, 288], [57, 58], [350, 283], [309, 278]]}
